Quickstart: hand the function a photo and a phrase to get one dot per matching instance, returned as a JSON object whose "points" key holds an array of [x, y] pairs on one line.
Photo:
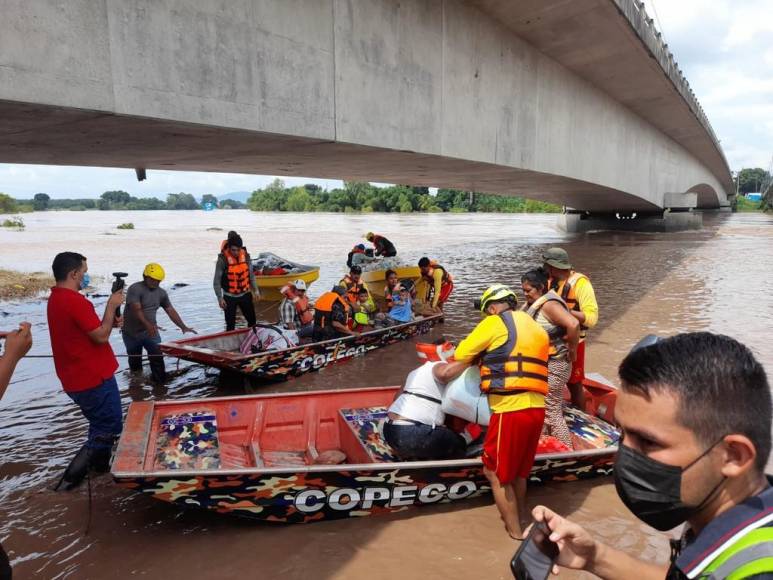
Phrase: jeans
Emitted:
{"points": [[102, 407], [424, 442], [134, 346], [244, 303]]}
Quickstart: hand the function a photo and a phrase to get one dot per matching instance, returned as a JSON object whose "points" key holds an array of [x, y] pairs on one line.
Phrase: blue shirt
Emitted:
{"points": [[402, 310]]}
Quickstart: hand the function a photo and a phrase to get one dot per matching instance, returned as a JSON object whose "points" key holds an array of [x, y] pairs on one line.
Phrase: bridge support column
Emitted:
{"points": [[668, 221]]}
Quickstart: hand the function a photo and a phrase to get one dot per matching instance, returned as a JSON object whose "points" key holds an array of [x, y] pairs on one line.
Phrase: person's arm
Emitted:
{"points": [[101, 334], [560, 316], [287, 314], [17, 344], [175, 317], [447, 372], [478, 340], [216, 283], [586, 300], [437, 277], [578, 550], [343, 328], [136, 308]]}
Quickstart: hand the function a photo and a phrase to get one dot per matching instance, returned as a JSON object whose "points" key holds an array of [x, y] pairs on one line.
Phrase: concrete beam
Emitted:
{"points": [[680, 200]]}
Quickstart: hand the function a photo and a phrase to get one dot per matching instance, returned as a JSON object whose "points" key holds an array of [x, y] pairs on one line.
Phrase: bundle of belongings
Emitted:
{"points": [[267, 337], [268, 264]]}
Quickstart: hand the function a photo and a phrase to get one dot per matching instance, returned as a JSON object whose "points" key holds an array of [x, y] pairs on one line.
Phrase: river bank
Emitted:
{"points": [[15, 285], [661, 283]]}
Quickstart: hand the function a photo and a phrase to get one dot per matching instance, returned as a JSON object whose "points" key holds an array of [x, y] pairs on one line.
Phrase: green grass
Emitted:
{"points": [[126, 226], [743, 204]]}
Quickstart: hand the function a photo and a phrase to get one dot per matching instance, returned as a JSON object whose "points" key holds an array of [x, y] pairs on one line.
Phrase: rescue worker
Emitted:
{"points": [[415, 426], [550, 311], [512, 351], [234, 282], [695, 417], [143, 299], [576, 290], [295, 312], [383, 246], [352, 285], [331, 315], [440, 283]]}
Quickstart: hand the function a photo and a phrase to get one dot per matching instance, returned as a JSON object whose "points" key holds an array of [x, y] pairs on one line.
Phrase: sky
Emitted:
{"points": [[723, 46]]}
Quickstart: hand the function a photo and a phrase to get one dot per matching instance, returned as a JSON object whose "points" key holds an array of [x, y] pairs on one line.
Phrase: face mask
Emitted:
{"points": [[85, 281], [653, 490]]}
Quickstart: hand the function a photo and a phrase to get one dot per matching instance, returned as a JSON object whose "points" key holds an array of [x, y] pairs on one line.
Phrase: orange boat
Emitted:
{"points": [[269, 457]]}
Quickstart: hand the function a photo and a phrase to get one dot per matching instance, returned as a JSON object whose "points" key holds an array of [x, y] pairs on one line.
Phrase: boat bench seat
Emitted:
{"points": [[188, 440], [366, 424]]}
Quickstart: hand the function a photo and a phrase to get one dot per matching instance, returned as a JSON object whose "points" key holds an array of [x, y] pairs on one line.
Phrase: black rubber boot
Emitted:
{"points": [[100, 460], [76, 471]]}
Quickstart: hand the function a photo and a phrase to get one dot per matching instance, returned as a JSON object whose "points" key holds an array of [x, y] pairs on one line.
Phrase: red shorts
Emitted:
{"points": [[445, 292], [578, 366], [511, 443]]}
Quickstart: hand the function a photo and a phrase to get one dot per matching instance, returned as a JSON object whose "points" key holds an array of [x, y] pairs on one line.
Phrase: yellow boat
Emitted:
{"points": [[376, 279], [270, 284]]}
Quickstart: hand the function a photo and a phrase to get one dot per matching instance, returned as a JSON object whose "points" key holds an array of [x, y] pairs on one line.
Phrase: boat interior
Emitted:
{"points": [[297, 430]]}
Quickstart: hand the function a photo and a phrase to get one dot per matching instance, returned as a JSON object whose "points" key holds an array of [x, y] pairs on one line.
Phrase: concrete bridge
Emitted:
{"points": [[576, 102]]}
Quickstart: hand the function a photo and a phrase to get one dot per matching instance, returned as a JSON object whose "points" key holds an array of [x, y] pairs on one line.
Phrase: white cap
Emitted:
{"points": [[299, 285]]}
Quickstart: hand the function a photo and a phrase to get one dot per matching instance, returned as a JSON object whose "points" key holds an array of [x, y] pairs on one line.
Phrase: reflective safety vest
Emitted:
{"points": [[236, 278], [521, 363], [323, 309], [566, 290], [555, 333]]}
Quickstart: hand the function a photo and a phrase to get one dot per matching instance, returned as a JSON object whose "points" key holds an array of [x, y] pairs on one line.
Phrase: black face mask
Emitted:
{"points": [[653, 490]]}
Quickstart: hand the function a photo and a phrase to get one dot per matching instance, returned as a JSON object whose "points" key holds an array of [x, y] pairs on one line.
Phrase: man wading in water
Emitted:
{"points": [[695, 417]]}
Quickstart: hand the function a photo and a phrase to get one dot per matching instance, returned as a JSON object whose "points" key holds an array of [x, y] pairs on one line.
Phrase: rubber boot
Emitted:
{"points": [[76, 471], [100, 460]]}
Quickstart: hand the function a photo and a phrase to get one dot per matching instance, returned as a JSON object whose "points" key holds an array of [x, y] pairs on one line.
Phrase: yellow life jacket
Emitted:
{"points": [[236, 278], [521, 363]]}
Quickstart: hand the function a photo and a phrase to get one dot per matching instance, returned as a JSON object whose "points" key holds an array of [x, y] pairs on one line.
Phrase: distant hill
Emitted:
{"points": [[241, 196]]}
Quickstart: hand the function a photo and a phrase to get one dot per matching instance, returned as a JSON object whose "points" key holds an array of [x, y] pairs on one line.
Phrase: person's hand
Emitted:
{"points": [[576, 547], [18, 342], [118, 322], [572, 354], [221, 302], [116, 299], [188, 329], [152, 330], [256, 294]]}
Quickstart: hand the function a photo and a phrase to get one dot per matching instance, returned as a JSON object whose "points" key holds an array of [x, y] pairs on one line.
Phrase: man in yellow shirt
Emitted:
{"points": [[512, 351], [576, 290]]}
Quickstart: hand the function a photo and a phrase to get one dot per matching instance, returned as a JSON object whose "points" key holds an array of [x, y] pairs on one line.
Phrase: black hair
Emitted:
{"points": [[389, 273], [536, 277], [66, 262], [340, 290], [232, 234], [235, 240], [363, 290], [721, 388], [424, 262], [355, 270]]}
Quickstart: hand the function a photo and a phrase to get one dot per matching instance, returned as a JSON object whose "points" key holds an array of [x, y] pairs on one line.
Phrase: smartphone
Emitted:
{"points": [[534, 558]]}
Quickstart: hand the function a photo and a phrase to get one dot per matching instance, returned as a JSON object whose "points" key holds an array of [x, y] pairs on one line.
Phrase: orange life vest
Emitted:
{"points": [[567, 291], [521, 363], [352, 288], [447, 278], [323, 309], [236, 278]]}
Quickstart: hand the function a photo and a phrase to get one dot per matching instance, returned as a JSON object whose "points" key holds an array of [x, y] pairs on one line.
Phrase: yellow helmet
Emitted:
{"points": [[496, 293], [369, 236], [154, 271]]}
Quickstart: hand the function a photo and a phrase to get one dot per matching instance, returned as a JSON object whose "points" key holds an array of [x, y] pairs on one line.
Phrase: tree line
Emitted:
{"points": [[113, 200], [365, 197]]}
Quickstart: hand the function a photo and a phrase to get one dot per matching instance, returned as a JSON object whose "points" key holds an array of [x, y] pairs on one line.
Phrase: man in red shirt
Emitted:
{"points": [[85, 362]]}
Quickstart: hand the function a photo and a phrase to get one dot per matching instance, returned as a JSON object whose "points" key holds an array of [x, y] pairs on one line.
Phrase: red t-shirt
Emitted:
{"points": [[81, 364]]}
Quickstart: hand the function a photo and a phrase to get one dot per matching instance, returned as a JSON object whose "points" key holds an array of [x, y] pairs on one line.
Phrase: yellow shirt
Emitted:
{"points": [[437, 278], [491, 333]]}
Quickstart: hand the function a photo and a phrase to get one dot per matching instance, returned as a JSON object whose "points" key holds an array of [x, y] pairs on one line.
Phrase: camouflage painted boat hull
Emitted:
{"points": [[221, 350]]}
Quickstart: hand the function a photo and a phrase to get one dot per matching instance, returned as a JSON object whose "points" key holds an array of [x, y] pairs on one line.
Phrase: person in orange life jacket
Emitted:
{"points": [[234, 281], [84, 362], [441, 284], [17, 344], [415, 426], [512, 351], [331, 315], [576, 290], [389, 287], [551, 313], [352, 285], [295, 312], [694, 412], [382, 245]]}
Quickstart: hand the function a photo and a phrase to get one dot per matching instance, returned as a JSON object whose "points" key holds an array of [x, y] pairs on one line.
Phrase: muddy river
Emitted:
{"points": [[645, 283]]}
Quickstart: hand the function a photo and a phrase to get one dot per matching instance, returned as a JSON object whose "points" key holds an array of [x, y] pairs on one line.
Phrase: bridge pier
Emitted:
{"points": [[667, 221]]}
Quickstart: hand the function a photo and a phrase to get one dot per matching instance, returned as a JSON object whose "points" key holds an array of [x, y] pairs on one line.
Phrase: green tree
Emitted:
{"points": [[209, 198], [181, 201], [7, 204], [299, 200], [750, 180], [40, 201]]}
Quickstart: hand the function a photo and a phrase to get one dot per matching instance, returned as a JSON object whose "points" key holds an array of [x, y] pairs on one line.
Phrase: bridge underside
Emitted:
{"points": [[42, 134]]}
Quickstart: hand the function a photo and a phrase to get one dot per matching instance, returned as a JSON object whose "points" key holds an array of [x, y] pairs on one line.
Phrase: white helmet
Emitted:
{"points": [[299, 285]]}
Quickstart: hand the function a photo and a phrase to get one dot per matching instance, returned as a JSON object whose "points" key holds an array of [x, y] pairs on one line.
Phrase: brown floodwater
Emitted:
{"points": [[711, 279]]}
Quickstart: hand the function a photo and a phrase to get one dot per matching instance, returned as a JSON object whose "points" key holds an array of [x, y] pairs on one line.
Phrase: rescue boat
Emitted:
{"points": [[273, 272], [221, 350], [264, 456]]}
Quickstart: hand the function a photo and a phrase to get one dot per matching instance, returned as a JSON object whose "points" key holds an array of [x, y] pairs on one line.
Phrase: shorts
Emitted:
{"points": [[511, 443], [578, 366], [445, 292]]}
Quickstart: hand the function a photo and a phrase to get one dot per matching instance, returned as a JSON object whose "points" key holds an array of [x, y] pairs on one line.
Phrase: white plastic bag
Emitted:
{"points": [[463, 398]]}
